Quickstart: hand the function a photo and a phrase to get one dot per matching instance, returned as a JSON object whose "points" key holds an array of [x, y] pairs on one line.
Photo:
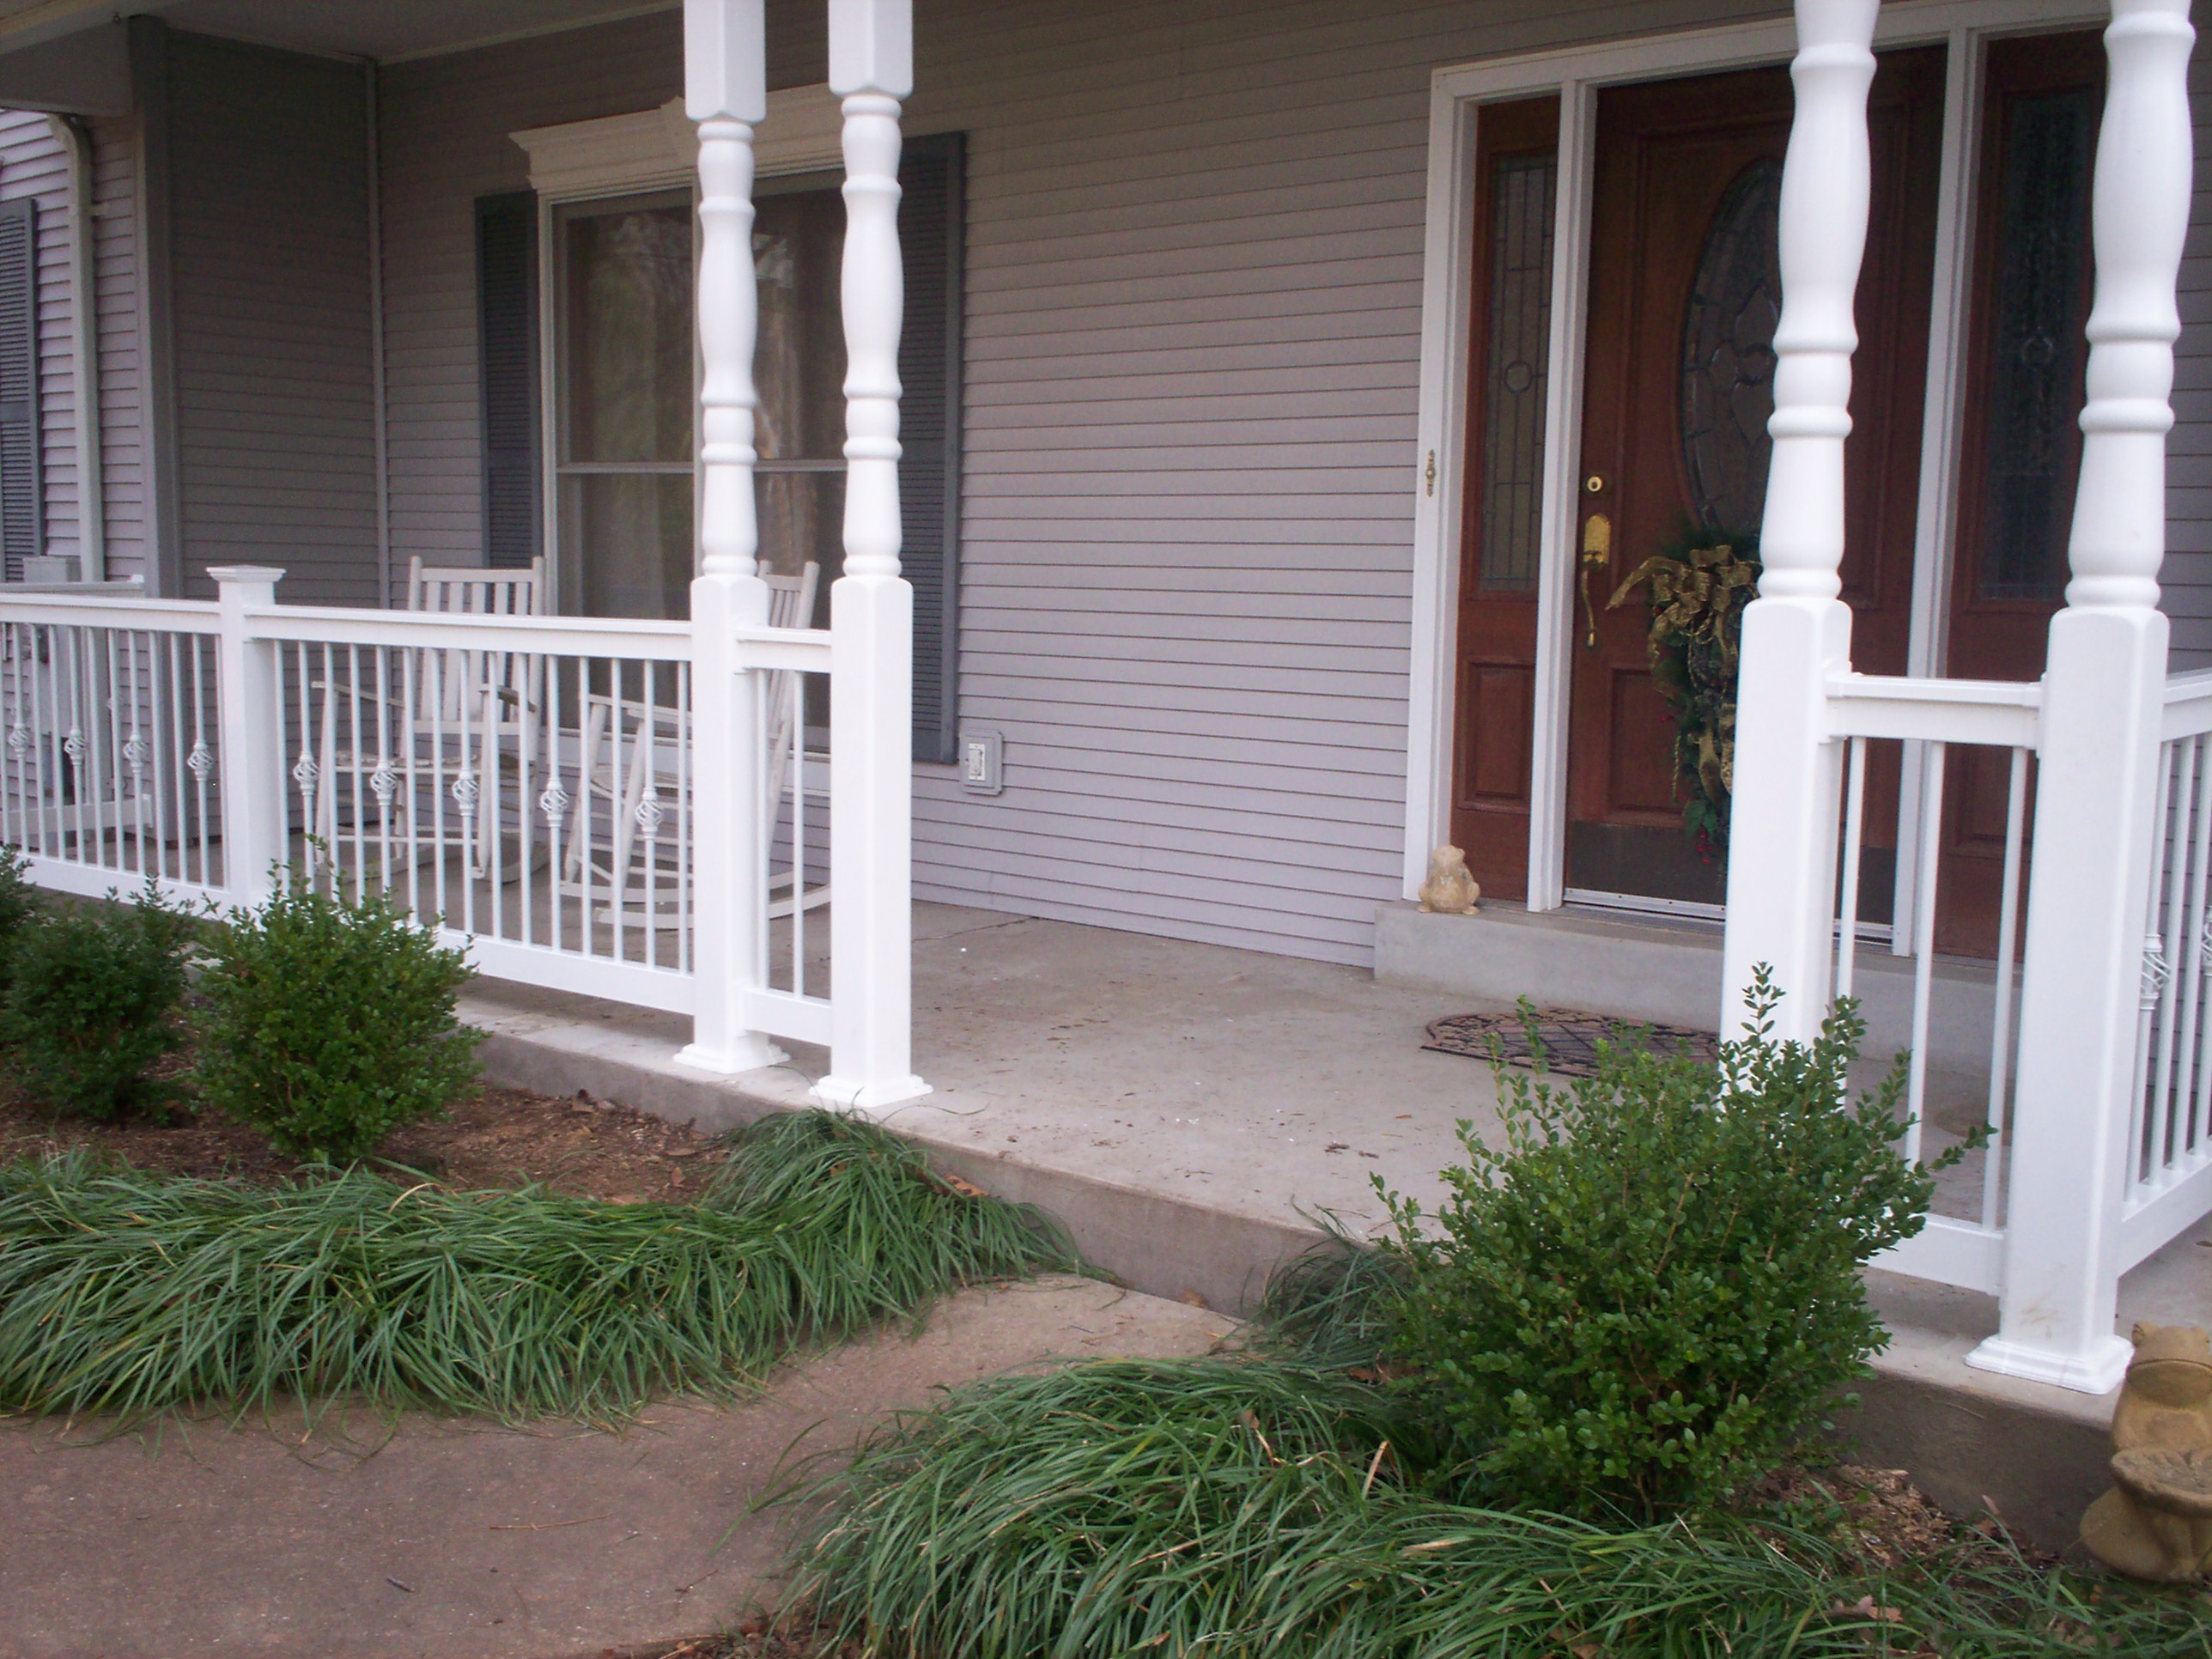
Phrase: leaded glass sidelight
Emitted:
{"points": [[1523, 191], [2035, 389], [1727, 354]]}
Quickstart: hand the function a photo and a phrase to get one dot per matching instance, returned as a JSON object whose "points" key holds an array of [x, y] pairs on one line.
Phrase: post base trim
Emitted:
{"points": [[750, 1052], [2098, 1371]]}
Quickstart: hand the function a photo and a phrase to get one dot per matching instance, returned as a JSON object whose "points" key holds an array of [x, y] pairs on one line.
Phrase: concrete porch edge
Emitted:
{"points": [[2035, 1455]]}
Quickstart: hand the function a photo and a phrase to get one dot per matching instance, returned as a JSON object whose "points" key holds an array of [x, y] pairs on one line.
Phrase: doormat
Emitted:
{"points": [[1569, 1039]]}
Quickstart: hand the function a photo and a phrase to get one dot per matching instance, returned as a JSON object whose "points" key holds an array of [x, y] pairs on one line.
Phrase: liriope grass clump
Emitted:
{"points": [[1257, 1506], [130, 1293]]}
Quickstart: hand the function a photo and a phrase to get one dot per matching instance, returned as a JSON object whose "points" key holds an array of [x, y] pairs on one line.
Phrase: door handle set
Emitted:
{"points": [[1597, 555]]}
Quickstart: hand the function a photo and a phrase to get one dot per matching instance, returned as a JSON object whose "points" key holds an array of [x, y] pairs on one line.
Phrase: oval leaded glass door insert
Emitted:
{"points": [[1727, 354]]}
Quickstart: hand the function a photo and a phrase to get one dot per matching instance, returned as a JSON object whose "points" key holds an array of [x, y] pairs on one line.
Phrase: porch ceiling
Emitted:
{"points": [[383, 29]]}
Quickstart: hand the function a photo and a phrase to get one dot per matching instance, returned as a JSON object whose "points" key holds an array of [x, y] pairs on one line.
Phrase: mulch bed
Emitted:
{"points": [[1565, 1039], [495, 1137]]}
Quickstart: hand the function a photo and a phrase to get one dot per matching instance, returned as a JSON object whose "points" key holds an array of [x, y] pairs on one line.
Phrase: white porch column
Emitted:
{"points": [[249, 715], [2103, 689], [871, 605], [1783, 837], [725, 91]]}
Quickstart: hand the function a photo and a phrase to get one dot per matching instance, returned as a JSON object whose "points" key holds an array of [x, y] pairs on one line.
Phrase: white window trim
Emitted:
{"points": [[632, 154], [1577, 74]]}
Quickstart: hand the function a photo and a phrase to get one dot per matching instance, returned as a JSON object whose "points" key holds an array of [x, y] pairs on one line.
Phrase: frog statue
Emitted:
{"points": [[1450, 887], [2156, 1523]]}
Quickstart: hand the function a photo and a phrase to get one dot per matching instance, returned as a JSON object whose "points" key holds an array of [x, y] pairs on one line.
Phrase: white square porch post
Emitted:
{"points": [[725, 91], [1783, 839], [2088, 960], [871, 605]]}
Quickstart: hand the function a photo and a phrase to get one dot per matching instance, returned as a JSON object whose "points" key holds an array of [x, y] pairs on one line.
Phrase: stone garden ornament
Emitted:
{"points": [[2156, 1523], [1450, 888]]}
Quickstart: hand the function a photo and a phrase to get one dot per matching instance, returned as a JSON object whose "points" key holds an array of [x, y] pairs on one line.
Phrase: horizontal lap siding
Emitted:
{"points": [[1194, 269], [122, 386], [275, 430], [2187, 577]]}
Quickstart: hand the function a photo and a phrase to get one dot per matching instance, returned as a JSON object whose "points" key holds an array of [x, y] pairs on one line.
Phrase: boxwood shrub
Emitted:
{"points": [[1645, 1295], [327, 1021]]}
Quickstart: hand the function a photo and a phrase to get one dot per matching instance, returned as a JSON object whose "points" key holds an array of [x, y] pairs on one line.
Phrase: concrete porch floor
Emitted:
{"points": [[1191, 1113]]}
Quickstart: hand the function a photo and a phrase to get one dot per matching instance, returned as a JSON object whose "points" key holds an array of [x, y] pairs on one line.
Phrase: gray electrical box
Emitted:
{"points": [[982, 761]]}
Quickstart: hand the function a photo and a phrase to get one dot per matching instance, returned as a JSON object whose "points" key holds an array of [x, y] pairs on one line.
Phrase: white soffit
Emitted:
{"points": [[660, 146]]}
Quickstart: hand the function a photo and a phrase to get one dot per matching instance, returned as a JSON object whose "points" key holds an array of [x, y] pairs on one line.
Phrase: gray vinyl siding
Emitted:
{"points": [[270, 317], [2187, 577], [34, 164], [1195, 235]]}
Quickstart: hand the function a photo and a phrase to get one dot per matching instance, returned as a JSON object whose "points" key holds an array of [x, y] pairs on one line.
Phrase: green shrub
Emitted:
{"points": [[1646, 1295], [19, 902], [92, 993], [327, 1021]]}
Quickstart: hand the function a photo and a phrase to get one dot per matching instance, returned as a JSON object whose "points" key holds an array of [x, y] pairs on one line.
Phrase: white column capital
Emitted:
{"points": [[725, 61], [872, 47]]}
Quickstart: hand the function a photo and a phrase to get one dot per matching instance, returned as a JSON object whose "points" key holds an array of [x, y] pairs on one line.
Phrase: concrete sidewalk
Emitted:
{"points": [[455, 1539]]}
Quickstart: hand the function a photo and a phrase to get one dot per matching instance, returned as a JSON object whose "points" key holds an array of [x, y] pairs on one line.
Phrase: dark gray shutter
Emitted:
{"points": [[22, 527], [931, 176], [507, 331]]}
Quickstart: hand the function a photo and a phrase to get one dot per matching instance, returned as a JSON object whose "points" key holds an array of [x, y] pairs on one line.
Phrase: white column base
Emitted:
{"points": [[2098, 1371], [855, 1096], [752, 1051]]}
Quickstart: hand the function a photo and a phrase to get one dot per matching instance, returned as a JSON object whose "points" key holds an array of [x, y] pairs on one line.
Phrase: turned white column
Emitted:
{"points": [[1783, 833], [2104, 686], [725, 91], [871, 605]]}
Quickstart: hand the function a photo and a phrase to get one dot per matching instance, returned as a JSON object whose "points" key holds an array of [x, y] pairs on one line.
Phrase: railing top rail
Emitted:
{"points": [[568, 636], [2004, 713], [121, 588], [73, 607], [2188, 705]]}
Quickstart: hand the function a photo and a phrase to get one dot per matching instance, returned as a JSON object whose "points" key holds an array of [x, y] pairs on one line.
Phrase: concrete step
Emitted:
{"points": [[1661, 969]]}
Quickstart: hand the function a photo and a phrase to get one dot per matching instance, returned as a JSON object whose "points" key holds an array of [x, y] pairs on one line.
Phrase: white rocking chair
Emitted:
{"points": [[630, 829]]}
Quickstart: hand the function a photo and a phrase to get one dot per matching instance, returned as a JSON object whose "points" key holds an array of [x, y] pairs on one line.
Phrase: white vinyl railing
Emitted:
{"points": [[527, 785], [112, 745], [2168, 1158], [2167, 1181], [1931, 719]]}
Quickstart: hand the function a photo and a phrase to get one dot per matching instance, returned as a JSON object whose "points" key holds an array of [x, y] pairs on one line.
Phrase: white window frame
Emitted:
{"points": [[1576, 74], [633, 154]]}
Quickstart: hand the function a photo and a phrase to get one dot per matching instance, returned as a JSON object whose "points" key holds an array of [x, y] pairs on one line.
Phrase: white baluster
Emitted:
{"points": [[871, 605], [725, 91], [2096, 828], [250, 707], [1781, 841]]}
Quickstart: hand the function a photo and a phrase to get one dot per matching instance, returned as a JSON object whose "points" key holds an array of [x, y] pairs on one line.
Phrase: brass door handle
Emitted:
{"points": [[1597, 554]]}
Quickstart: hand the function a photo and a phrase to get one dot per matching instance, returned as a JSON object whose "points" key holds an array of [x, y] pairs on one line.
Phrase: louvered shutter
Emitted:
{"points": [[506, 301], [22, 529], [932, 176]]}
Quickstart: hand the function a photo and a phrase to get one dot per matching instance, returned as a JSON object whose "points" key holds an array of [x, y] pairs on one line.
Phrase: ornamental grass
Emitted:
{"points": [[128, 1293], [1257, 1507]]}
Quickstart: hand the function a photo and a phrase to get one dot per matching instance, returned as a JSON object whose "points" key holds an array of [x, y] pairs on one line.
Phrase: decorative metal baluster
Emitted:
{"points": [[200, 762]]}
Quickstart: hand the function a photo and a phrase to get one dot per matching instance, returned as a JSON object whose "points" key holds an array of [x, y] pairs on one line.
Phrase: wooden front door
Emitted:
{"points": [[2026, 359], [1685, 293]]}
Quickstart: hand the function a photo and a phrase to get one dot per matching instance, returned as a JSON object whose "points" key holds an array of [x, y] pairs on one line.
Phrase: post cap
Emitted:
{"points": [[246, 573]]}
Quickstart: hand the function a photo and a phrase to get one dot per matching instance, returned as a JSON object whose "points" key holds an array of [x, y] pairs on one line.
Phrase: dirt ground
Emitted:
{"points": [[495, 1137]]}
